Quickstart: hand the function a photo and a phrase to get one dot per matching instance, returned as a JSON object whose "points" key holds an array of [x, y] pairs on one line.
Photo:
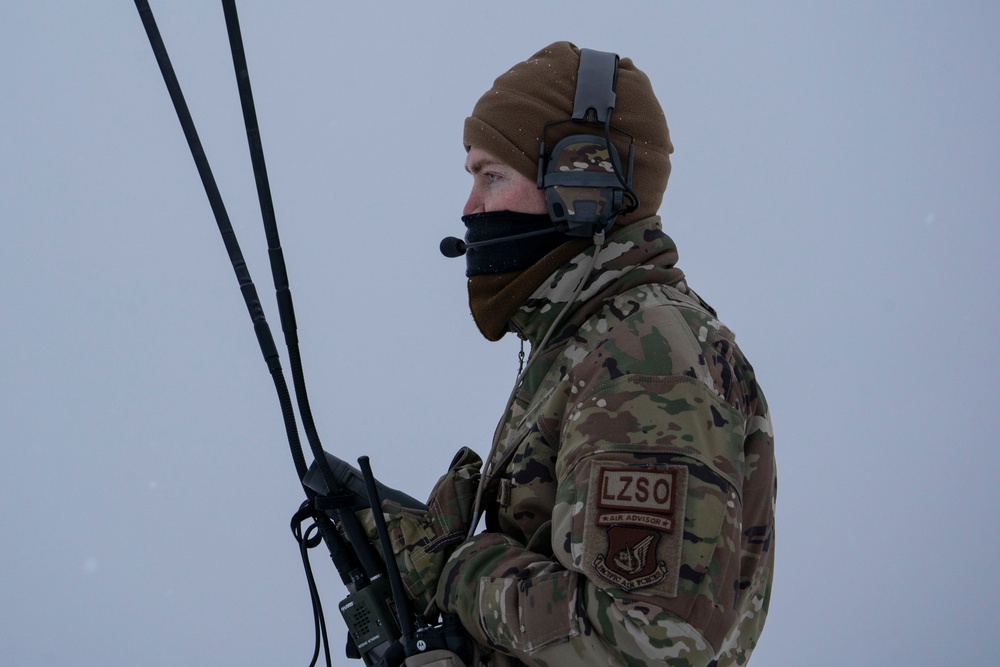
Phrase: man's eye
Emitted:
{"points": [[491, 178]]}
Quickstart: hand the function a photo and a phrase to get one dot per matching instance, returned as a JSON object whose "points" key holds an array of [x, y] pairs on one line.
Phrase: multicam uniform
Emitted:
{"points": [[630, 506]]}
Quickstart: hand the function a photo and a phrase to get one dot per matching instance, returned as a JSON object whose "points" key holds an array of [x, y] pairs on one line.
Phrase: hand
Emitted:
{"points": [[422, 541]]}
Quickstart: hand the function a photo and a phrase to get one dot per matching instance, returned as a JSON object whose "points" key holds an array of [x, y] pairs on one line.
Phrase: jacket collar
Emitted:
{"points": [[637, 254]]}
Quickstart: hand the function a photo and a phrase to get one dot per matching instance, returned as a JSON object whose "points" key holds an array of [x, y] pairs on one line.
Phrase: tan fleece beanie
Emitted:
{"points": [[507, 122]]}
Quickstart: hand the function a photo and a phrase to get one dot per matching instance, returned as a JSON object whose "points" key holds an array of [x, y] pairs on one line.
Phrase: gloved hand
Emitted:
{"points": [[422, 541]]}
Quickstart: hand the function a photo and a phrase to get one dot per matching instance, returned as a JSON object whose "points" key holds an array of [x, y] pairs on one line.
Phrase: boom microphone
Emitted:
{"points": [[452, 246]]}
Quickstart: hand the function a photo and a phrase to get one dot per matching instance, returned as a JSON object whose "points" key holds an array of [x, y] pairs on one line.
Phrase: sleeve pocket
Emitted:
{"points": [[529, 614]]}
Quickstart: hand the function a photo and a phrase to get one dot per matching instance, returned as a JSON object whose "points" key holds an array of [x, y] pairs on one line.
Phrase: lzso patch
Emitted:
{"points": [[633, 529]]}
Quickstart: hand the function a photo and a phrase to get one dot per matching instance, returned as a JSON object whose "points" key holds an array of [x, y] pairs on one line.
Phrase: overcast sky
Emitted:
{"points": [[834, 196]]}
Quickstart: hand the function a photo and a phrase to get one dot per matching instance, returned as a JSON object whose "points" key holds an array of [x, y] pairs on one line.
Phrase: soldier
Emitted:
{"points": [[629, 496]]}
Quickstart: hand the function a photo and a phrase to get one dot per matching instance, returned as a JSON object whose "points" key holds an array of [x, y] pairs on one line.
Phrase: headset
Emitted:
{"points": [[585, 189]]}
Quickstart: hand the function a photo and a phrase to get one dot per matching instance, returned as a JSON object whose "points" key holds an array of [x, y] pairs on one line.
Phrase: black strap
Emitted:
{"points": [[595, 85]]}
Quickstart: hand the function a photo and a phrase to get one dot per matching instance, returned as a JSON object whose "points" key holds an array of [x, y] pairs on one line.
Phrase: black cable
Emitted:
{"points": [[307, 542], [616, 164]]}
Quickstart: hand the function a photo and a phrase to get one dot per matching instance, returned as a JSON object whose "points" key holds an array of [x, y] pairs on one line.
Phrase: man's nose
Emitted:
{"points": [[474, 204]]}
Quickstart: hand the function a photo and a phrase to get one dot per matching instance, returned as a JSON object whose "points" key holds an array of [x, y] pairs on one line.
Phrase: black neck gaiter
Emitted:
{"points": [[505, 256]]}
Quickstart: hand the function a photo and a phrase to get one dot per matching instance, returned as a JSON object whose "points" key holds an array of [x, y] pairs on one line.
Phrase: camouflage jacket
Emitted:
{"points": [[630, 506]]}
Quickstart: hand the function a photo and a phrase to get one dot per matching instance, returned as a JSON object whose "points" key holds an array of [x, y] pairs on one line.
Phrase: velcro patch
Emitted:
{"points": [[646, 496], [631, 536]]}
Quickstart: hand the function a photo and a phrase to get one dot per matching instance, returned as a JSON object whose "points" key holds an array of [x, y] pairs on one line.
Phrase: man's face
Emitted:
{"points": [[497, 186]]}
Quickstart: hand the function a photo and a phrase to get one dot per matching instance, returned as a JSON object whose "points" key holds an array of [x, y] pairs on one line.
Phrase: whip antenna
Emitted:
{"points": [[249, 291], [334, 489], [279, 272]]}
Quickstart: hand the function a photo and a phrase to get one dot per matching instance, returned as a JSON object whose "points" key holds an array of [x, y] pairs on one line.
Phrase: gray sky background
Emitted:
{"points": [[834, 195]]}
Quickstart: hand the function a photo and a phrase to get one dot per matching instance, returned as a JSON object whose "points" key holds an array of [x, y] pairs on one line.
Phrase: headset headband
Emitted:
{"points": [[595, 85]]}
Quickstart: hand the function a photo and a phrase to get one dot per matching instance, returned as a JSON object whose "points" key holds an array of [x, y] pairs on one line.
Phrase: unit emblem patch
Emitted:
{"points": [[633, 526], [630, 561]]}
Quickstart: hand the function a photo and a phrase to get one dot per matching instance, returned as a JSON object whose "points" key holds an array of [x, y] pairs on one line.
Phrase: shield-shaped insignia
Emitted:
{"points": [[630, 560]]}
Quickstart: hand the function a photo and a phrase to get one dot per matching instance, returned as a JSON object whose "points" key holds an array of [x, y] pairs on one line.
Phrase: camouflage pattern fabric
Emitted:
{"points": [[630, 506], [422, 540], [583, 153]]}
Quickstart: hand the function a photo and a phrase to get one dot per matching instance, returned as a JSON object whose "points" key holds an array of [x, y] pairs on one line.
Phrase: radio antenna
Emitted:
{"points": [[279, 272]]}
